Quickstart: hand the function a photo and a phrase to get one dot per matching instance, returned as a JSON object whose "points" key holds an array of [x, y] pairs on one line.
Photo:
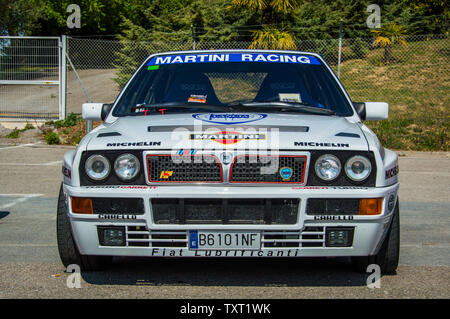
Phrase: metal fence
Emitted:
{"points": [[407, 77], [30, 78]]}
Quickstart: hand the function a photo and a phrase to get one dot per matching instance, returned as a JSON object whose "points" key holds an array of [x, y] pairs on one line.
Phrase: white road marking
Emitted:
{"points": [[17, 146], [426, 245], [22, 198], [28, 245], [32, 164]]}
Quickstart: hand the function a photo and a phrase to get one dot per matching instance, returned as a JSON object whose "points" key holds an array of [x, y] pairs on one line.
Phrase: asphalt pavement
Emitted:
{"points": [[30, 176]]}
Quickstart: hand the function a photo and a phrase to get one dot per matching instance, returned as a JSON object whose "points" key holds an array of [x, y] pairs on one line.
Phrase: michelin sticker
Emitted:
{"points": [[229, 118], [233, 57]]}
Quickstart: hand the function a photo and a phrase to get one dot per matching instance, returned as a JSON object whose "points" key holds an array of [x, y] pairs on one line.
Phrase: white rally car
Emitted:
{"points": [[233, 153]]}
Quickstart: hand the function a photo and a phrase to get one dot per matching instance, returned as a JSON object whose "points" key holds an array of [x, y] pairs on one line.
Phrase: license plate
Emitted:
{"points": [[224, 240]]}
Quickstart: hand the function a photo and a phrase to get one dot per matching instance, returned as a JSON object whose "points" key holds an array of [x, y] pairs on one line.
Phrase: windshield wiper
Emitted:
{"points": [[181, 105], [290, 106]]}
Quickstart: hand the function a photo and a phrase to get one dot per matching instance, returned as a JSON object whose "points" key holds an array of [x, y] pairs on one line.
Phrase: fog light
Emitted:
{"points": [[111, 236], [339, 236]]}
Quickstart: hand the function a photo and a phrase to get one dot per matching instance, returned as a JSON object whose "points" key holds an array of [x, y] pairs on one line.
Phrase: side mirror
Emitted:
{"points": [[95, 111], [372, 111]]}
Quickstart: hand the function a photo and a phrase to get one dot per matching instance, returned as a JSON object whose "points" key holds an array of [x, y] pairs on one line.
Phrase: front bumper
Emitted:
{"points": [[145, 238]]}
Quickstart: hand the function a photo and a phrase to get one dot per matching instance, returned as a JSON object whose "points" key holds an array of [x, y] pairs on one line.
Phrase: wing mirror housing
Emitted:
{"points": [[95, 111], [372, 111]]}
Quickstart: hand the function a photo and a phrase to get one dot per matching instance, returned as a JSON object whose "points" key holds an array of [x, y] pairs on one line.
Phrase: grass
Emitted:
{"points": [[416, 86]]}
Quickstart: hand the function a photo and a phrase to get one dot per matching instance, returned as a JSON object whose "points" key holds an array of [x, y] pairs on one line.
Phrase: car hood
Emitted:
{"points": [[229, 131]]}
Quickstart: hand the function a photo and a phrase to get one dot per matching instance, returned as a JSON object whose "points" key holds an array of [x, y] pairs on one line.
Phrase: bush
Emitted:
{"points": [[52, 138], [71, 120]]}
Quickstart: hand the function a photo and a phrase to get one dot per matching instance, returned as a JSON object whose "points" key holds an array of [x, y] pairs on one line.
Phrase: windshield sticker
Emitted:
{"points": [[229, 118], [290, 97], [233, 57], [152, 67], [227, 137], [197, 98]]}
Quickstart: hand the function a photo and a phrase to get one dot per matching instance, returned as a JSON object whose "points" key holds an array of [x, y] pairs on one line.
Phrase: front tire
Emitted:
{"points": [[388, 255], [68, 250]]}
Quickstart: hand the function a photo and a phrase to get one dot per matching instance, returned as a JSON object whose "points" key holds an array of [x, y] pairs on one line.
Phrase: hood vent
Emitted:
{"points": [[192, 128], [345, 134]]}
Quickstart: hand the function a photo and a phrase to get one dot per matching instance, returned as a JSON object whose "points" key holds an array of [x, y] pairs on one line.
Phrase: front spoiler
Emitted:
{"points": [[368, 235]]}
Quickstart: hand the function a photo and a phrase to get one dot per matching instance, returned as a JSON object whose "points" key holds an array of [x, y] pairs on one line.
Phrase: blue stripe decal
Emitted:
{"points": [[234, 57]]}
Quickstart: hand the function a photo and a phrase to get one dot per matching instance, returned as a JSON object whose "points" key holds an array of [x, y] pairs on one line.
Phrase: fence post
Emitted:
{"points": [[340, 50], [193, 37], [62, 78]]}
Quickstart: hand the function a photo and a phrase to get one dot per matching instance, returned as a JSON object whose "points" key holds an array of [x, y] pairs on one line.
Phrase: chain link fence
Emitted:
{"points": [[411, 75]]}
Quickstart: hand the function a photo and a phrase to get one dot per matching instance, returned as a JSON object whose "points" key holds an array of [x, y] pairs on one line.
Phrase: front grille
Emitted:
{"points": [[184, 169], [309, 237], [140, 236], [225, 211], [268, 169]]}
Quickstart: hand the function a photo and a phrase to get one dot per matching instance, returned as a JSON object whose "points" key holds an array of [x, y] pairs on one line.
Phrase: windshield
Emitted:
{"points": [[225, 82]]}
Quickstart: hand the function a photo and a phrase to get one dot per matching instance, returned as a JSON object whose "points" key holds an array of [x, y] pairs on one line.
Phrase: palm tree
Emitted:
{"points": [[388, 35], [270, 37]]}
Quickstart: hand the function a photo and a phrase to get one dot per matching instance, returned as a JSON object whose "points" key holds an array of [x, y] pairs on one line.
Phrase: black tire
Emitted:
{"points": [[68, 250], [388, 255]]}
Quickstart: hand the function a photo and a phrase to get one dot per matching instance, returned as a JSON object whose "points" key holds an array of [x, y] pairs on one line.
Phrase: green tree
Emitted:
{"points": [[19, 17]]}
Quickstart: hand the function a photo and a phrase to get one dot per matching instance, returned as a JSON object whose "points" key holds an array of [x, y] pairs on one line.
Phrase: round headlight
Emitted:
{"points": [[97, 167], [127, 166], [358, 168], [328, 167]]}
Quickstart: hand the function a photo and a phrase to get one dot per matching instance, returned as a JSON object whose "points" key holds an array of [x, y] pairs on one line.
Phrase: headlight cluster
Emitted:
{"points": [[126, 167], [328, 167]]}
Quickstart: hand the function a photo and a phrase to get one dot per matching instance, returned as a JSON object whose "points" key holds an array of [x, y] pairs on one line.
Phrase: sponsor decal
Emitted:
{"points": [[332, 217], [164, 252], [391, 172], [133, 144], [225, 137], [122, 187], [137, 187], [229, 118], [186, 152], [330, 187], [233, 57], [116, 216], [321, 144], [285, 173], [165, 174]]}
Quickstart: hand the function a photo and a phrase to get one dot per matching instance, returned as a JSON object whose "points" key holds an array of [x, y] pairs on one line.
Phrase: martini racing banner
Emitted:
{"points": [[234, 57]]}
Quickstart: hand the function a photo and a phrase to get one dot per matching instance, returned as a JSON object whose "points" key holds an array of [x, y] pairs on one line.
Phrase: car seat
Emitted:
{"points": [[185, 85], [274, 84]]}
